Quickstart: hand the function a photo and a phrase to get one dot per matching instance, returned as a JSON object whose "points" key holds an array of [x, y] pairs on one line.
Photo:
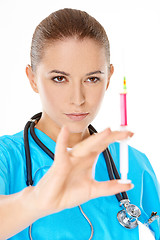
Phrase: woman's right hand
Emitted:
{"points": [[69, 181]]}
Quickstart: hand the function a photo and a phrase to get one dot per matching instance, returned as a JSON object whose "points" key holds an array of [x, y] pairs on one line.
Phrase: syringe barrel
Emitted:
{"points": [[123, 158]]}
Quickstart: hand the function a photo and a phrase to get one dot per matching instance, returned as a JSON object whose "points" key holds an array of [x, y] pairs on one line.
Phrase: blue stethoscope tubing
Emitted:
{"points": [[130, 213]]}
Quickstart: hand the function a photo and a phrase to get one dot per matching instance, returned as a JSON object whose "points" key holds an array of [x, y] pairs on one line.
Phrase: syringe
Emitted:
{"points": [[123, 143]]}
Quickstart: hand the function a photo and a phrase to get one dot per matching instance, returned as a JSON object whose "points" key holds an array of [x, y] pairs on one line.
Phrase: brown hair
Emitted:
{"points": [[66, 23]]}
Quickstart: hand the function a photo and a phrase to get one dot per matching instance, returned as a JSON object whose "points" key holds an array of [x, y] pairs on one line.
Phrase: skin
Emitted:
{"points": [[76, 92], [68, 182]]}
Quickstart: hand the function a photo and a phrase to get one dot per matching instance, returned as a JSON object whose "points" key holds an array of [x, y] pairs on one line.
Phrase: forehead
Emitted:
{"points": [[74, 52]]}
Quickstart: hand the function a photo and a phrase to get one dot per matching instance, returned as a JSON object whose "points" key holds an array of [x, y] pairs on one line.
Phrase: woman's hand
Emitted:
{"points": [[69, 181]]}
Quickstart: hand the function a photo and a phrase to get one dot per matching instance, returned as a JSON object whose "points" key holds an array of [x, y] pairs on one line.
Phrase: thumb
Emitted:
{"points": [[108, 188]]}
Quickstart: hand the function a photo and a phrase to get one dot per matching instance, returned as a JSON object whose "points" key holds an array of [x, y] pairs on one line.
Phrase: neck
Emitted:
{"points": [[51, 129]]}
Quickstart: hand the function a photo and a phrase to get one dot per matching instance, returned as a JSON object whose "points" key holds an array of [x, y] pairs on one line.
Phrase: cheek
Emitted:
{"points": [[50, 97], [96, 96]]}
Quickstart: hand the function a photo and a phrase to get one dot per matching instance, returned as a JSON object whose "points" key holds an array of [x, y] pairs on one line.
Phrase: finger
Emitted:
{"points": [[62, 142], [118, 136], [108, 188], [99, 142]]}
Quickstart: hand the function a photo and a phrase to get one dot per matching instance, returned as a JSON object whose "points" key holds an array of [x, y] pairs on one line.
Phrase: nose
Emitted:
{"points": [[77, 96]]}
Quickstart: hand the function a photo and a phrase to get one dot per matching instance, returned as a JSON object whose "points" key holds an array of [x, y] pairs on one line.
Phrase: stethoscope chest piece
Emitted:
{"points": [[128, 216]]}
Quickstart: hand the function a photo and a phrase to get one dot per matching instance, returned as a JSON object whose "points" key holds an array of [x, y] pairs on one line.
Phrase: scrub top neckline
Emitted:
{"points": [[45, 139]]}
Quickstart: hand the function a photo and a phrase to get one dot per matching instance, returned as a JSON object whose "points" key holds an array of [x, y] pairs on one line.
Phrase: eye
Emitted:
{"points": [[93, 79], [59, 79]]}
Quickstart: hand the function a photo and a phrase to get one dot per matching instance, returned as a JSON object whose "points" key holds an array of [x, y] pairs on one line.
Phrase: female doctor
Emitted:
{"points": [[72, 197]]}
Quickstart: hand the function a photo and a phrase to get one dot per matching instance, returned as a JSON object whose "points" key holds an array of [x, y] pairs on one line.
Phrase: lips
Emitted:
{"points": [[77, 116]]}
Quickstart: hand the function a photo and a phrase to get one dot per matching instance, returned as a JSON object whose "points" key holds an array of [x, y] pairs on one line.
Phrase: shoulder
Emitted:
{"points": [[11, 162], [8, 143], [115, 148], [140, 172], [136, 158], [16, 138]]}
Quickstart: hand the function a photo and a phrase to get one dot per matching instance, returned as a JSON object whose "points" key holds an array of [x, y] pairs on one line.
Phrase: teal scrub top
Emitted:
{"points": [[70, 223]]}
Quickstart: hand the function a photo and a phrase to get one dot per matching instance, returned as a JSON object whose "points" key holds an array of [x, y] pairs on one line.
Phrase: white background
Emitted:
{"points": [[133, 28]]}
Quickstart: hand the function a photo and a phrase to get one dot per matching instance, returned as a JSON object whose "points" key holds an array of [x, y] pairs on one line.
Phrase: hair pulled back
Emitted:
{"points": [[66, 23]]}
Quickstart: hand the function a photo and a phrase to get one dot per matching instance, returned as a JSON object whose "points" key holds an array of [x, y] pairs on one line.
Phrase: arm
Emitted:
{"points": [[17, 211], [69, 176]]}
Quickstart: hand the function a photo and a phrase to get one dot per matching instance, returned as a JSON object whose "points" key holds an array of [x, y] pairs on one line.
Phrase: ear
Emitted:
{"points": [[109, 75], [32, 79]]}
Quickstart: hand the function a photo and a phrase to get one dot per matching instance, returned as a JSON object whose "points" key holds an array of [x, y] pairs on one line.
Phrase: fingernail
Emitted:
{"points": [[108, 130], [131, 135]]}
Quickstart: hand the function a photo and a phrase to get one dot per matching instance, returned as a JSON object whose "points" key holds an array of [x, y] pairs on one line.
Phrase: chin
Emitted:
{"points": [[77, 128]]}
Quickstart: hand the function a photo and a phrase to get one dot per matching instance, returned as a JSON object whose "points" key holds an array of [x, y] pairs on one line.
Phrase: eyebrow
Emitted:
{"points": [[95, 72], [67, 74]]}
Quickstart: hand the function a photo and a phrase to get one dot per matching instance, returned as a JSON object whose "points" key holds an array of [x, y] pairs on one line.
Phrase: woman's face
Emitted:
{"points": [[71, 79]]}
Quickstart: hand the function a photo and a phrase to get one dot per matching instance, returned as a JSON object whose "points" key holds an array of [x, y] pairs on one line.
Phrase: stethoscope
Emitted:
{"points": [[127, 217]]}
